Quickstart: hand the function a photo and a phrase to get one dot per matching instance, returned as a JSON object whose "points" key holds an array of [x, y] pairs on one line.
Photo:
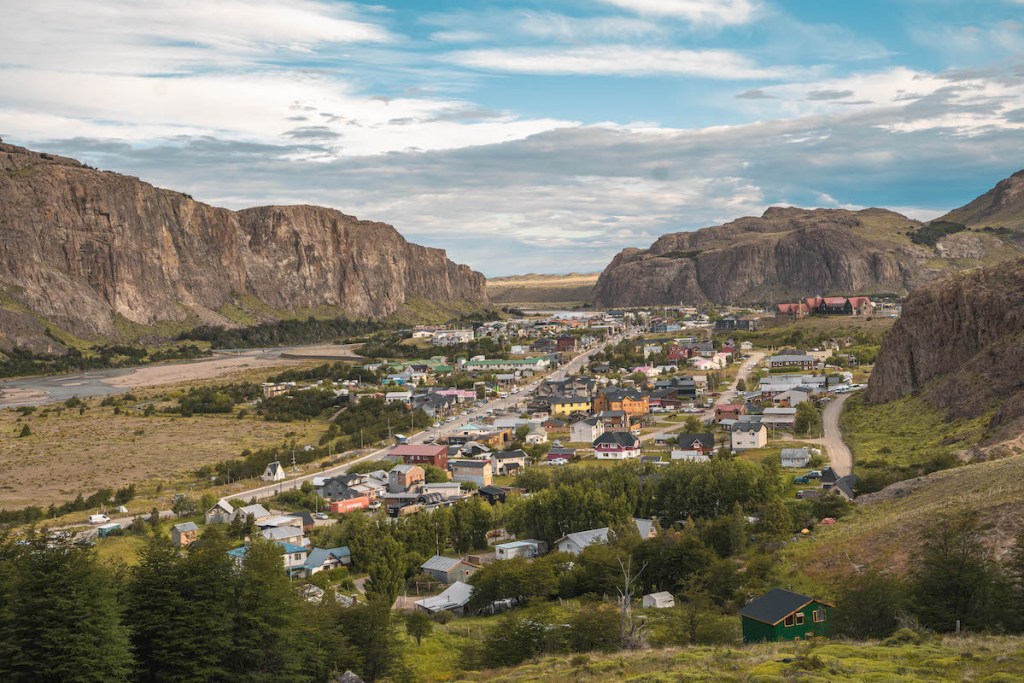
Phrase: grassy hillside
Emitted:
{"points": [[988, 659], [574, 288]]}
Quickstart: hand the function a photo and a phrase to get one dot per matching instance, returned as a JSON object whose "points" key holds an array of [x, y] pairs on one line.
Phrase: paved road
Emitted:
{"points": [[839, 455], [726, 396]]}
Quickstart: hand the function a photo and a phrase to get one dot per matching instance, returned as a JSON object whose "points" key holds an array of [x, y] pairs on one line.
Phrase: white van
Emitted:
{"points": [[98, 519]]}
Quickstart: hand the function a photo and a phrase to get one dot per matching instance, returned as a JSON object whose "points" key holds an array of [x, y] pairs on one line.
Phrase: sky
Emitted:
{"points": [[528, 136]]}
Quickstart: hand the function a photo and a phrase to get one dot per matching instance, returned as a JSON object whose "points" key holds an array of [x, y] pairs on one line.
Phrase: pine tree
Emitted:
{"points": [[387, 573], [61, 622]]}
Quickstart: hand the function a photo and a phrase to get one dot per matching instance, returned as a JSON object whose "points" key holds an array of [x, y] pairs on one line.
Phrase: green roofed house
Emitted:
{"points": [[784, 615]]}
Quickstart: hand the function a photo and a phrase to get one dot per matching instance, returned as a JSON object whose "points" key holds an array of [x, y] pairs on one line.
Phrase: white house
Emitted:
{"points": [[745, 435], [779, 418], [575, 543], [795, 457], [689, 456], [616, 446], [454, 599], [662, 600], [273, 472], [528, 548], [221, 513], [585, 431]]}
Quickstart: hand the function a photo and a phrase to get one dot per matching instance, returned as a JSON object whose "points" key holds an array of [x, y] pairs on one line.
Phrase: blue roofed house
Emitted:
{"points": [[322, 559], [293, 558]]}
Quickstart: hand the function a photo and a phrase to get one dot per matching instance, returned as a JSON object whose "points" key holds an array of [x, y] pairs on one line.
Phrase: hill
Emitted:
{"points": [[574, 288], [96, 254], [790, 252]]}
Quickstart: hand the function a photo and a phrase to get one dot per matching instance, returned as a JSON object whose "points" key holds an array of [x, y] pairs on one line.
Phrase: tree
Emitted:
{"points": [[808, 419], [387, 572], [693, 425], [25, 431], [776, 519], [869, 605], [184, 505], [60, 621], [418, 624]]}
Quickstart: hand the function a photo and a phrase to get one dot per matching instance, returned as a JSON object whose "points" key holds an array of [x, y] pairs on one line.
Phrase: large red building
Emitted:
{"points": [[427, 454]]}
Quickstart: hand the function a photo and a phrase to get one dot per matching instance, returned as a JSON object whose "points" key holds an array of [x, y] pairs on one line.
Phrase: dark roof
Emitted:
{"points": [[829, 476], [706, 440], [491, 491], [774, 606], [617, 439], [506, 455], [846, 484]]}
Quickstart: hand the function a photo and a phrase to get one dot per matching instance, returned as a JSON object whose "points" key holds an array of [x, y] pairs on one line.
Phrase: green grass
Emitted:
{"points": [[973, 658], [905, 437], [124, 549]]}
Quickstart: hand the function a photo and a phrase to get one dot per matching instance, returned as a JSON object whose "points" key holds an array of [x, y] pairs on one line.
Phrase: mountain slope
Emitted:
{"points": [[791, 252], [960, 343], [87, 250]]}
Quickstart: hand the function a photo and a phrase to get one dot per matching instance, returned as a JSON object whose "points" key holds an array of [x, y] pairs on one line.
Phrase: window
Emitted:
{"points": [[818, 615], [799, 618], [298, 556], [789, 620]]}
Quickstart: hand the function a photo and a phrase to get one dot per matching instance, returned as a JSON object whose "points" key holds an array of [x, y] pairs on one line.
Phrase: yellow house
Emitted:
{"points": [[566, 406]]}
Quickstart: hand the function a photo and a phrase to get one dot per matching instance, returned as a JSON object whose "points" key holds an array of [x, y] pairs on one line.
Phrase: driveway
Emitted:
{"points": [[839, 455]]}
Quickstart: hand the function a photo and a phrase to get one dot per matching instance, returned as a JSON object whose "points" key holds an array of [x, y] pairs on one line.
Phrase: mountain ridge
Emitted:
{"points": [[85, 250], [790, 252]]}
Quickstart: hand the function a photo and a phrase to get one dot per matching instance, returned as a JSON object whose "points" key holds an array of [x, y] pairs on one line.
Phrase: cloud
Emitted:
{"points": [[829, 94], [715, 12], [755, 94], [619, 60]]}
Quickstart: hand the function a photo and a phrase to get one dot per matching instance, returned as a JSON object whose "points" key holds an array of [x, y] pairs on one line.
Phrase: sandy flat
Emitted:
{"points": [[155, 375]]}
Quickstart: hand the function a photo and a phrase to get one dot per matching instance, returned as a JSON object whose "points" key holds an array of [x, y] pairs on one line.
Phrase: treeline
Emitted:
{"points": [[177, 617], [331, 371], [103, 497], [283, 332], [19, 361], [391, 347]]}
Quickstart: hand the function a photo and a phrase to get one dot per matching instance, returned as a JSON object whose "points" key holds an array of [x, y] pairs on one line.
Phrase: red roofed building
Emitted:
{"points": [[830, 305], [427, 454], [729, 411]]}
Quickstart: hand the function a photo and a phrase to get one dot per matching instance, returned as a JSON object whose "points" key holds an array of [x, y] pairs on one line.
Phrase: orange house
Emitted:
{"points": [[631, 403]]}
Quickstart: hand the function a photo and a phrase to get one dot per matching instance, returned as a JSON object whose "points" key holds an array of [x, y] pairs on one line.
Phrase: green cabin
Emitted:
{"points": [[784, 615]]}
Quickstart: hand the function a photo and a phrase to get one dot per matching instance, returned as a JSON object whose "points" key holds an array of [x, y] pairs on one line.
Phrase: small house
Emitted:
{"points": [[662, 600], [221, 513], [322, 559], [575, 543], [527, 548], [492, 494], [454, 599], [746, 434], [795, 457], [585, 431], [780, 615], [184, 534], [403, 478], [616, 446], [476, 471], [273, 472], [448, 569]]}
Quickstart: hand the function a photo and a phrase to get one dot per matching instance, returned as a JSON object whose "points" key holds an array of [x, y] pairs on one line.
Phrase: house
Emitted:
{"points": [[632, 403], [615, 420], [492, 494], [566, 406], [273, 472], [559, 452], [184, 534], [477, 471], [221, 513], [842, 486], [256, 511], [575, 543], [285, 534], [447, 489], [779, 418], [662, 600], [293, 558], [454, 599], [585, 431], [791, 360], [792, 397], [702, 443], [781, 615], [795, 457], [427, 454], [403, 478], [448, 569], [745, 435], [320, 559], [616, 446], [508, 462], [690, 456], [729, 411], [527, 548], [537, 435]]}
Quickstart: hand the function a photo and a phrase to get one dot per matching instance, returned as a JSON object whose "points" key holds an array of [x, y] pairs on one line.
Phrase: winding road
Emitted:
{"points": [[839, 455]]}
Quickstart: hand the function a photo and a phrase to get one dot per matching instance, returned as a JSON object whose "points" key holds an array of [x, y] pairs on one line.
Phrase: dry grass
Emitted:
{"points": [[68, 453], [547, 289]]}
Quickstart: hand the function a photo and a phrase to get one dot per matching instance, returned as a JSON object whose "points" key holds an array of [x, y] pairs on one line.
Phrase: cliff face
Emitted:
{"points": [[787, 252], [1002, 206], [960, 343], [80, 248]]}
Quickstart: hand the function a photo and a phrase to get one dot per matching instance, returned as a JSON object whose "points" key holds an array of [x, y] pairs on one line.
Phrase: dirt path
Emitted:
{"points": [[839, 455]]}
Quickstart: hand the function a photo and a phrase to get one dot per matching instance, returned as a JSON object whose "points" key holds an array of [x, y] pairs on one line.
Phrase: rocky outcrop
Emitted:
{"points": [[1002, 206], [787, 252], [87, 250], [960, 344]]}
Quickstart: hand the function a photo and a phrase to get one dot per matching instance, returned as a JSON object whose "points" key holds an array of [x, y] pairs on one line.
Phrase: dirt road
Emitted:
{"points": [[839, 455]]}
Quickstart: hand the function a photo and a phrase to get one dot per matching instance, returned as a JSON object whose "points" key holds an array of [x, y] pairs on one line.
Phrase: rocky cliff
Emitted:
{"points": [[960, 344], [87, 250], [791, 252]]}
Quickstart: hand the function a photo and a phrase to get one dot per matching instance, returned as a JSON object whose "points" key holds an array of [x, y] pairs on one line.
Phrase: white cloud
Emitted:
{"points": [[716, 12], [551, 26], [619, 60]]}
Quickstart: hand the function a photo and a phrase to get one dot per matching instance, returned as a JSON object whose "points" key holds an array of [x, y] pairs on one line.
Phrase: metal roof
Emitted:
{"points": [[774, 606], [439, 563]]}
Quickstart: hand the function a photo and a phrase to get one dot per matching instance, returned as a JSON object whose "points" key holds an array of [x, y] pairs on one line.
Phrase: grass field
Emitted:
{"points": [[990, 659], [68, 453], [906, 436], [575, 288], [811, 330]]}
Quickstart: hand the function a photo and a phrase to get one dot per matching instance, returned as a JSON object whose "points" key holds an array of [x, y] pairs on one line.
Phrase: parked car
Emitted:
{"points": [[813, 474], [321, 515], [98, 519], [801, 480]]}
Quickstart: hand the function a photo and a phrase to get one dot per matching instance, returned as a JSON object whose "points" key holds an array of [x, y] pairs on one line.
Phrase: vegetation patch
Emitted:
{"points": [[930, 233]]}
